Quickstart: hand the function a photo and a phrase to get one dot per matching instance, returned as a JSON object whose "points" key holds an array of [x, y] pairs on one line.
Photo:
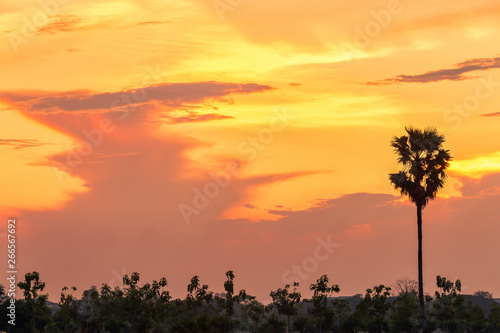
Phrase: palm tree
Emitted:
{"points": [[424, 163]]}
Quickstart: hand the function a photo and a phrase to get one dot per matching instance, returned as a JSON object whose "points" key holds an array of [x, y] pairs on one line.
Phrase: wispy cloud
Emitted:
{"points": [[249, 206], [61, 23], [492, 114], [22, 143], [196, 117], [451, 74], [152, 22], [166, 94]]}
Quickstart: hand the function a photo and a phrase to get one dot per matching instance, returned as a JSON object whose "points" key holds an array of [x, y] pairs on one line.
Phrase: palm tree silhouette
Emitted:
{"points": [[424, 163]]}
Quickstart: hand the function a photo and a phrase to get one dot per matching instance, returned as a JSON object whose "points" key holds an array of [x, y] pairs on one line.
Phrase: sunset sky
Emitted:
{"points": [[176, 138]]}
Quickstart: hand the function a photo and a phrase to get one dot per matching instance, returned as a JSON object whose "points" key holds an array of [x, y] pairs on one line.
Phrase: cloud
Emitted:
{"points": [[152, 22], [22, 143], [61, 23], [451, 74], [194, 117], [135, 181], [376, 230], [166, 94], [249, 206], [492, 114], [478, 166], [272, 178], [474, 188]]}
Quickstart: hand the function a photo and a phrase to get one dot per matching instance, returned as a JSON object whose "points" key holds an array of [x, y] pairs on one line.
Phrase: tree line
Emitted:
{"points": [[149, 307]]}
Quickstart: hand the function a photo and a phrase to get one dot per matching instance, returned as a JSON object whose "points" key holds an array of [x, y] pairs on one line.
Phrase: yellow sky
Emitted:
{"points": [[97, 50]]}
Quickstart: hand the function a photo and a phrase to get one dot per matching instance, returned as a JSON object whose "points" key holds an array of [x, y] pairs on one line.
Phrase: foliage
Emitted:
{"points": [[227, 303], [253, 313], [404, 313], [494, 318], [67, 316], [34, 306], [149, 308], [448, 310], [286, 301], [198, 294], [424, 163], [324, 315], [370, 313], [273, 325], [405, 285], [483, 294]]}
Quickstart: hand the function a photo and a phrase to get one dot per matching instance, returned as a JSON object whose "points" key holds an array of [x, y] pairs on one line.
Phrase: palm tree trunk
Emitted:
{"points": [[425, 327]]}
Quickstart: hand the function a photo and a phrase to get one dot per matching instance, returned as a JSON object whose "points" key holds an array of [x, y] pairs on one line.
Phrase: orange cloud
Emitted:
{"points": [[476, 167], [362, 229], [22, 143], [492, 114], [454, 74], [168, 94], [61, 23], [152, 22], [193, 117]]}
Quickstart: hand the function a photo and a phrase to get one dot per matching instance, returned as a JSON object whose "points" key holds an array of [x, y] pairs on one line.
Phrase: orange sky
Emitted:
{"points": [[180, 138]]}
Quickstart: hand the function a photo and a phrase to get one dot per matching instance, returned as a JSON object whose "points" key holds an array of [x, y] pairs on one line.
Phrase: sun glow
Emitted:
{"points": [[476, 167]]}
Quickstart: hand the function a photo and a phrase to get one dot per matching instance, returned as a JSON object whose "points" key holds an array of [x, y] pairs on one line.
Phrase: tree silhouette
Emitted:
{"points": [[405, 285], [139, 301], [149, 308], [424, 163], [286, 301], [370, 312], [230, 299], [449, 310], [320, 309], [404, 315], [35, 304], [67, 314], [197, 294], [483, 294]]}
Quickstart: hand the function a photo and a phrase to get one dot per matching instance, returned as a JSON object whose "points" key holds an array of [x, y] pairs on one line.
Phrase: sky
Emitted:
{"points": [[191, 138]]}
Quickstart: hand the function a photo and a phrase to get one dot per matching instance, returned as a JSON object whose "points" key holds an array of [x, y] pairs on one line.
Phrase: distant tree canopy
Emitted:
{"points": [[483, 293], [149, 308], [405, 285]]}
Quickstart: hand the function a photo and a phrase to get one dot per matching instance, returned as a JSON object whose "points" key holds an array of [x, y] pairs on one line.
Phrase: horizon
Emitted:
{"points": [[179, 139]]}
